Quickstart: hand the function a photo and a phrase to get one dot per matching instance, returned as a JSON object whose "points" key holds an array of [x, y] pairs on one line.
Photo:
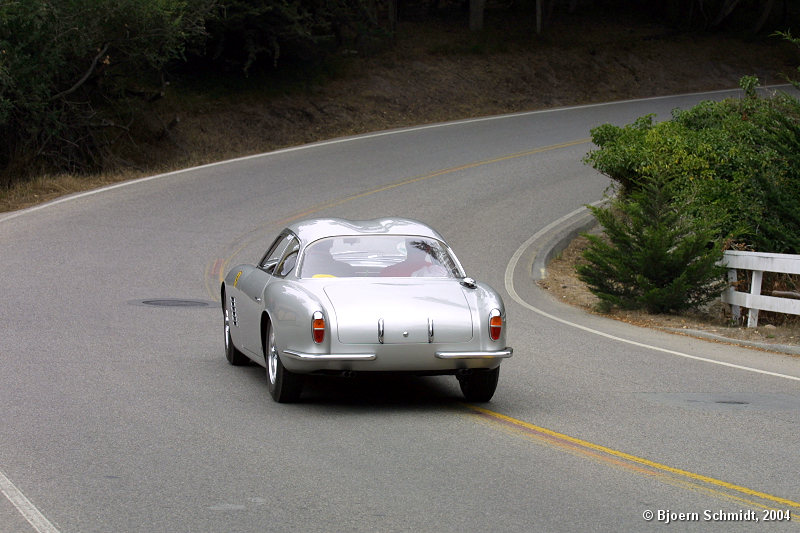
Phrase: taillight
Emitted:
{"points": [[318, 327], [495, 324]]}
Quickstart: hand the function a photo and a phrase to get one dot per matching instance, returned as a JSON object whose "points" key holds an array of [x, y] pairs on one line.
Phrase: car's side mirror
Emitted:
{"points": [[469, 283]]}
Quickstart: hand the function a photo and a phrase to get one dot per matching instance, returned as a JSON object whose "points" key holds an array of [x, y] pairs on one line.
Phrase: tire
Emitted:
{"points": [[284, 386], [479, 385], [234, 356]]}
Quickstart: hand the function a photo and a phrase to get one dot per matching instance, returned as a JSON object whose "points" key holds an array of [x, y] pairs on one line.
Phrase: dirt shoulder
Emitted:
{"points": [[713, 323]]}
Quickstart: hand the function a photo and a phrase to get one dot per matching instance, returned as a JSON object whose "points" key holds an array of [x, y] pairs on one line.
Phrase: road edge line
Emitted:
{"points": [[28, 511], [542, 235]]}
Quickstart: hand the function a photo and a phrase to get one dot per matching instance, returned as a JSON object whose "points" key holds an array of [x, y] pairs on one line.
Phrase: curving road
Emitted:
{"points": [[119, 415]]}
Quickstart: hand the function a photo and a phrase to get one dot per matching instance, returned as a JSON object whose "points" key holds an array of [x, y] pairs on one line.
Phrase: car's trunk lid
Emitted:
{"points": [[404, 308]]}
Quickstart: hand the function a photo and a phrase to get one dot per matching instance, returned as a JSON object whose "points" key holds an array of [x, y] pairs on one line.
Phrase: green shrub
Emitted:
{"points": [[620, 151], [654, 256], [734, 163]]}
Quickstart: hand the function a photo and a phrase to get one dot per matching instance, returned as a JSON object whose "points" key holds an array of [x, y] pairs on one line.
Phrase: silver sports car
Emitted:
{"points": [[334, 296]]}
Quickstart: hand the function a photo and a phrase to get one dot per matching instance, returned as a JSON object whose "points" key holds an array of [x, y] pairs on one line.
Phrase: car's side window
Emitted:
{"points": [[275, 252], [289, 259]]}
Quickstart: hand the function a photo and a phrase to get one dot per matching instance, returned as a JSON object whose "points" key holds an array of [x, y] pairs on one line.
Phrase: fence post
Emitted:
{"points": [[755, 290], [733, 279]]}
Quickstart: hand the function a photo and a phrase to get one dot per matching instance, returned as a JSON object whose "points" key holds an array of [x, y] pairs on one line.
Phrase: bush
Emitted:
{"points": [[656, 257], [735, 164]]}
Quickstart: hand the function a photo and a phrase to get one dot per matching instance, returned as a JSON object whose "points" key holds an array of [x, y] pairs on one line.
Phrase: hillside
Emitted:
{"points": [[435, 71]]}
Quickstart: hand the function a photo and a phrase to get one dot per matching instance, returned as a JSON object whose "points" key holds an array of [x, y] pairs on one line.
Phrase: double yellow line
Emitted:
{"points": [[632, 462]]}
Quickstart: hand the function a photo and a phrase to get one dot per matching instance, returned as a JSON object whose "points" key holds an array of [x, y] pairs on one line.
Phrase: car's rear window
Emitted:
{"points": [[378, 255]]}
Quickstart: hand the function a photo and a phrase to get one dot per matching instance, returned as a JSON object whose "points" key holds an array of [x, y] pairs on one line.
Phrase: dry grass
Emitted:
{"points": [[49, 187]]}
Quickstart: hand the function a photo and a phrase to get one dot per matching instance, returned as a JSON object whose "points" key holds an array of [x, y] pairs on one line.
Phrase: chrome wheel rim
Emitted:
{"points": [[272, 358]]}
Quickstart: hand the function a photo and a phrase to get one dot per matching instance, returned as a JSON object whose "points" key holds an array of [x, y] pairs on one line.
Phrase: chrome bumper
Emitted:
{"points": [[500, 354], [394, 358], [300, 356]]}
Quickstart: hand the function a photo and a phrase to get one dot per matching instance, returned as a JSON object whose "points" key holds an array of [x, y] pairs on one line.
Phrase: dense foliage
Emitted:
{"points": [[71, 72], [752, 15], [720, 173], [734, 164], [74, 74], [244, 33]]}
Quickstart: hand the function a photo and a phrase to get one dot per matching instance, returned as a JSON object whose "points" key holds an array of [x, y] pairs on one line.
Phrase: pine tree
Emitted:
{"points": [[654, 256]]}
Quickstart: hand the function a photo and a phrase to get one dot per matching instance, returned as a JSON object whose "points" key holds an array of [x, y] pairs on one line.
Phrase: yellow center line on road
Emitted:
{"points": [[630, 461], [215, 269], [432, 175]]}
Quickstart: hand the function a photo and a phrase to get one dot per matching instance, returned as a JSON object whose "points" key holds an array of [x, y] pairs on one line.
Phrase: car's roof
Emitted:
{"points": [[316, 228]]}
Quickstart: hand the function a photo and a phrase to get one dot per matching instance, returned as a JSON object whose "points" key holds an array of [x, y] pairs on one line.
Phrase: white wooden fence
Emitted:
{"points": [[759, 263]]}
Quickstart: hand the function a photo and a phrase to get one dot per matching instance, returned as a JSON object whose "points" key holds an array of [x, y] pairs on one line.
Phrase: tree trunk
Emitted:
{"points": [[766, 11], [476, 8], [392, 16], [538, 17], [726, 9]]}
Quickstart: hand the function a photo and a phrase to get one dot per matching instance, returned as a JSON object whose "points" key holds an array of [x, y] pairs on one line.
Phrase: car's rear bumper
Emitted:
{"points": [[300, 356], [419, 358], [500, 354]]}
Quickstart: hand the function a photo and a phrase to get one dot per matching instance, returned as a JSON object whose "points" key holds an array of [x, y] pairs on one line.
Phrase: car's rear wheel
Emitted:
{"points": [[234, 356], [284, 386], [479, 385]]}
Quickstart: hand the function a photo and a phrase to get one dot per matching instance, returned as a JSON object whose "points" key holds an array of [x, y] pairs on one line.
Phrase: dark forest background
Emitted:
{"points": [[79, 78]]}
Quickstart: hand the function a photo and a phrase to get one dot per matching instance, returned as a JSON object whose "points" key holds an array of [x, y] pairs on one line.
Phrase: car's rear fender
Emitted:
{"points": [[291, 308], [482, 300]]}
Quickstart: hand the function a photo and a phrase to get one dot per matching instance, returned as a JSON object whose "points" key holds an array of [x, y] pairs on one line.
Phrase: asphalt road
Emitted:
{"points": [[120, 416]]}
